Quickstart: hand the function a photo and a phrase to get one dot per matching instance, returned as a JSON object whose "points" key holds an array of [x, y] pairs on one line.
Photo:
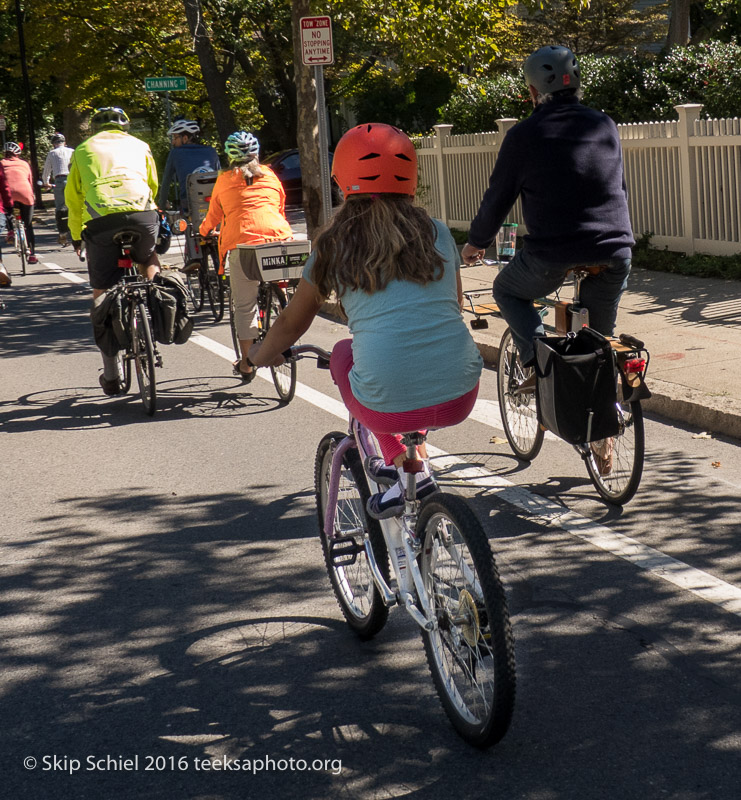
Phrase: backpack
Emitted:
{"points": [[576, 386], [168, 303]]}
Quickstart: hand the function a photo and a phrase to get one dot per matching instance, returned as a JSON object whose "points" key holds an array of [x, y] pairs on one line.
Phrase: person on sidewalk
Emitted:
{"points": [[56, 169], [6, 206], [111, 186], [411, 363], [20, 181], [187, 156], [249, 203], [565, 163]]}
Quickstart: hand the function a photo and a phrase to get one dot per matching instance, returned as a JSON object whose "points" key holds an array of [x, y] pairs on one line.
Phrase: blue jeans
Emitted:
{"points": [[527, 278]]}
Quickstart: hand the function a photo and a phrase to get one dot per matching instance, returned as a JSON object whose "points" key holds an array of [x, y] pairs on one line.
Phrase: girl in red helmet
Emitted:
{"points": [[411, 363]]}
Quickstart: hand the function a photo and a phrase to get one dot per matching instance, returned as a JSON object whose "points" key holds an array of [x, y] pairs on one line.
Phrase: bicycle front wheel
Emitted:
{"points": [[143, 351], [284, 376], [615, 465], [350, 575], [519, 411], [214, 283], [471, 651]]}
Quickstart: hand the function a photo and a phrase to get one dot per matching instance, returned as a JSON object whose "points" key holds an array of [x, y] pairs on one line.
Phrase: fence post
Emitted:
{"points": [[688, 114], [504, 124], [442, 132]]}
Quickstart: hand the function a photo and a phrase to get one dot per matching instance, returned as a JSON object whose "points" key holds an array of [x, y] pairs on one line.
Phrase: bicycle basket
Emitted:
{"points": [[274, 261], [577, 386]]}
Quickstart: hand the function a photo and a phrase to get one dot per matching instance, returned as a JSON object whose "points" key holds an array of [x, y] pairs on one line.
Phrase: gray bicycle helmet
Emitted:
{"points": [[552, 69], [241, 146], [12, 148], [189, 126], [109, 117], [58, 138]]}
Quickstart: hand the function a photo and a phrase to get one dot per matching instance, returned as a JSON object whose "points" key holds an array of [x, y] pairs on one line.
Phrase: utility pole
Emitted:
{"points": [[29, 104]]}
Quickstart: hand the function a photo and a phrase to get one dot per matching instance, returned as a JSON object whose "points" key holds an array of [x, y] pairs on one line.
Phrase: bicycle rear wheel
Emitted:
{"points": [[284, 376], [233, 327], [214, 283], [143, 351], [615, 465], [518, 411], [196, 289], [471, 652], [21, 246], [350, 576]]}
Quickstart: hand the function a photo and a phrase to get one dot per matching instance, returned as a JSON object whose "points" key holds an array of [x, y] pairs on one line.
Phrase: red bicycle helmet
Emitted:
{"points": [[375, 159]]}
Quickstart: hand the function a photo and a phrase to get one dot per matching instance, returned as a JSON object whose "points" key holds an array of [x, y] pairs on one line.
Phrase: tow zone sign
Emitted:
{"points": [[316, 41]]}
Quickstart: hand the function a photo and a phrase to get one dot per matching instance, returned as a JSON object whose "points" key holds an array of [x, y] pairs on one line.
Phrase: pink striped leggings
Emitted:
{"points": [[387, 426]]}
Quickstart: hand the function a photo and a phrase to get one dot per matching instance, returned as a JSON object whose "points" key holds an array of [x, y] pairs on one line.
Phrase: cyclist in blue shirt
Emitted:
{"points": [[186, 157]]}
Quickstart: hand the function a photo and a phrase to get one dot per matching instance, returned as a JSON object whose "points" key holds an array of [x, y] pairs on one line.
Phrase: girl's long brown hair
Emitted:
{"points": [[373, 240]]}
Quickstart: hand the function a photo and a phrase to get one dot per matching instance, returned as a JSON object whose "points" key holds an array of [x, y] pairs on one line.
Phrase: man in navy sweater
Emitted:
{"points": [[186, 157], [565, 162]]}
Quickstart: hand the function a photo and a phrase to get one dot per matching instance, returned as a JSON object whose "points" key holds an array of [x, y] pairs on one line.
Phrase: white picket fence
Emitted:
{"points": [[683, 178]]}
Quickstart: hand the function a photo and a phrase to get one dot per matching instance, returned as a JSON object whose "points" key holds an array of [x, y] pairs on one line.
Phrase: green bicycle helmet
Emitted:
{"points": [[552, 69], [109, 117]]}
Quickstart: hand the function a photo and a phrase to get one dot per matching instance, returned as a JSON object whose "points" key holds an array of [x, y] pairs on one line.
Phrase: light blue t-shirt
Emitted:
{"points": [[411, 347]]}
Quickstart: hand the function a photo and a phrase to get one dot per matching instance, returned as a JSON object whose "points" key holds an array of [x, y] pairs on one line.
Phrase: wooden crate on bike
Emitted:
{"points": [[199, 189], [274, 261]]}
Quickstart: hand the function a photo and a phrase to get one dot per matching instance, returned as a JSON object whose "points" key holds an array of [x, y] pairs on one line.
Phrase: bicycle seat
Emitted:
{"points": [[126, 238], [588, 269]]}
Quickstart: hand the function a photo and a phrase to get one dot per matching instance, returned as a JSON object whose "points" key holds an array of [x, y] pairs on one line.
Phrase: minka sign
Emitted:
{"points": [[316, 41]]}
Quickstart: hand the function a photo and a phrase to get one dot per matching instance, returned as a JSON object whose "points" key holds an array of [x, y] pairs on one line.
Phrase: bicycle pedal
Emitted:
{"points": [[343, 551]]}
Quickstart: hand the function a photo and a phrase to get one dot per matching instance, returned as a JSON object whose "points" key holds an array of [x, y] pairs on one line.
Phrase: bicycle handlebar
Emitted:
{"points": [[299, 351]]}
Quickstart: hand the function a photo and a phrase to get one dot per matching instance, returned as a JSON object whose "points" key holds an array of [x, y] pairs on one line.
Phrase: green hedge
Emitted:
{"points": [[637, 87]]}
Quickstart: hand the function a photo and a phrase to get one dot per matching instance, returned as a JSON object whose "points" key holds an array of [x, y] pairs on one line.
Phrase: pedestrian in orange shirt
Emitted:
{"points": [[248, 201]]}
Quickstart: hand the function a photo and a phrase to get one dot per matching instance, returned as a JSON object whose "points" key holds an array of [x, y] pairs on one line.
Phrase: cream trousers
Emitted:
{"points": [[244, 297]]}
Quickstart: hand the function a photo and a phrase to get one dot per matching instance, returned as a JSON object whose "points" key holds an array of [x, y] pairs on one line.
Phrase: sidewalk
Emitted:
{"points": [[691, 327]]}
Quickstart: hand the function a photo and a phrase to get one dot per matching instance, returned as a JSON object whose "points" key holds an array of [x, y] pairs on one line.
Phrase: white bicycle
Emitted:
{"points": [[444, 575]]}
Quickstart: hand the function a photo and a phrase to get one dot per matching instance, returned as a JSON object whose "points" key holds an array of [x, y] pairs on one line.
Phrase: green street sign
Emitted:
{"points": [[174, 84]]}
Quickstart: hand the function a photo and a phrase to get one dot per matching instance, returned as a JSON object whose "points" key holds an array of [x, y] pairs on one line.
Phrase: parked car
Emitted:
{"points": [[287, 166]]}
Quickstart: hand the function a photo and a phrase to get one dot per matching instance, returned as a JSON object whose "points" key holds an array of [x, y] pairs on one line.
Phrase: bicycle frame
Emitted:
{"points": [[399, 533]]}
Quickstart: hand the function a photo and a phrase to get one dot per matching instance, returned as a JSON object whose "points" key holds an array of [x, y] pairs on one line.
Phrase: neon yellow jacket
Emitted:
{"points": [[111, 171]]}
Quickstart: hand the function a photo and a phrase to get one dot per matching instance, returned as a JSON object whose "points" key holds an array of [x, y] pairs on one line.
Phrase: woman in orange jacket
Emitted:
{"points": [[248, 201]]}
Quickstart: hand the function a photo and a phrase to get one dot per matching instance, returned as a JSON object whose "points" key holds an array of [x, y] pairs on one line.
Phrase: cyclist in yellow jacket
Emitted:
{"points": [[111, 187]]}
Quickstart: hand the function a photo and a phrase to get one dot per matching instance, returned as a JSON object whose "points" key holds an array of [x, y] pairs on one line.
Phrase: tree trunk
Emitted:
{"points": [[76, 125], [679, 23], [213, 78], [306, 125]]}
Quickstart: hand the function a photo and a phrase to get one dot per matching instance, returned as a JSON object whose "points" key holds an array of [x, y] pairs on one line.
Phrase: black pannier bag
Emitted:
{"points": [[577, 386], [168, 303], [109, 315]]}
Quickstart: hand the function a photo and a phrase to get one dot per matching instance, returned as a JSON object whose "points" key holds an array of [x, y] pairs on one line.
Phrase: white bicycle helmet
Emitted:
{"points": [[58, 138], [552, 69], [241, 146], [12, 148], [189, 126]]}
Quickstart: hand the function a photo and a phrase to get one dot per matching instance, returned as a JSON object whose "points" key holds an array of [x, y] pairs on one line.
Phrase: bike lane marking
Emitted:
{"points": [[706, 586], [700, 583], [70, 276]]}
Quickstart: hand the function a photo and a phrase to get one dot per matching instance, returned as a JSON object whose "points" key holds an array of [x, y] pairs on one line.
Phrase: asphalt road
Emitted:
{"points": [[165, 614]]}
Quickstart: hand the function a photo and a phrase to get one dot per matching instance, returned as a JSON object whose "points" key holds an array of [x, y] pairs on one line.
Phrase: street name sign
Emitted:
{"points": [[316, 41], [166, 84]]}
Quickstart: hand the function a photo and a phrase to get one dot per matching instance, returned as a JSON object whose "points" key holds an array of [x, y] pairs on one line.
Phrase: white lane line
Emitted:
{"points": [[708, 587], [70, 276], [702, 584]]}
